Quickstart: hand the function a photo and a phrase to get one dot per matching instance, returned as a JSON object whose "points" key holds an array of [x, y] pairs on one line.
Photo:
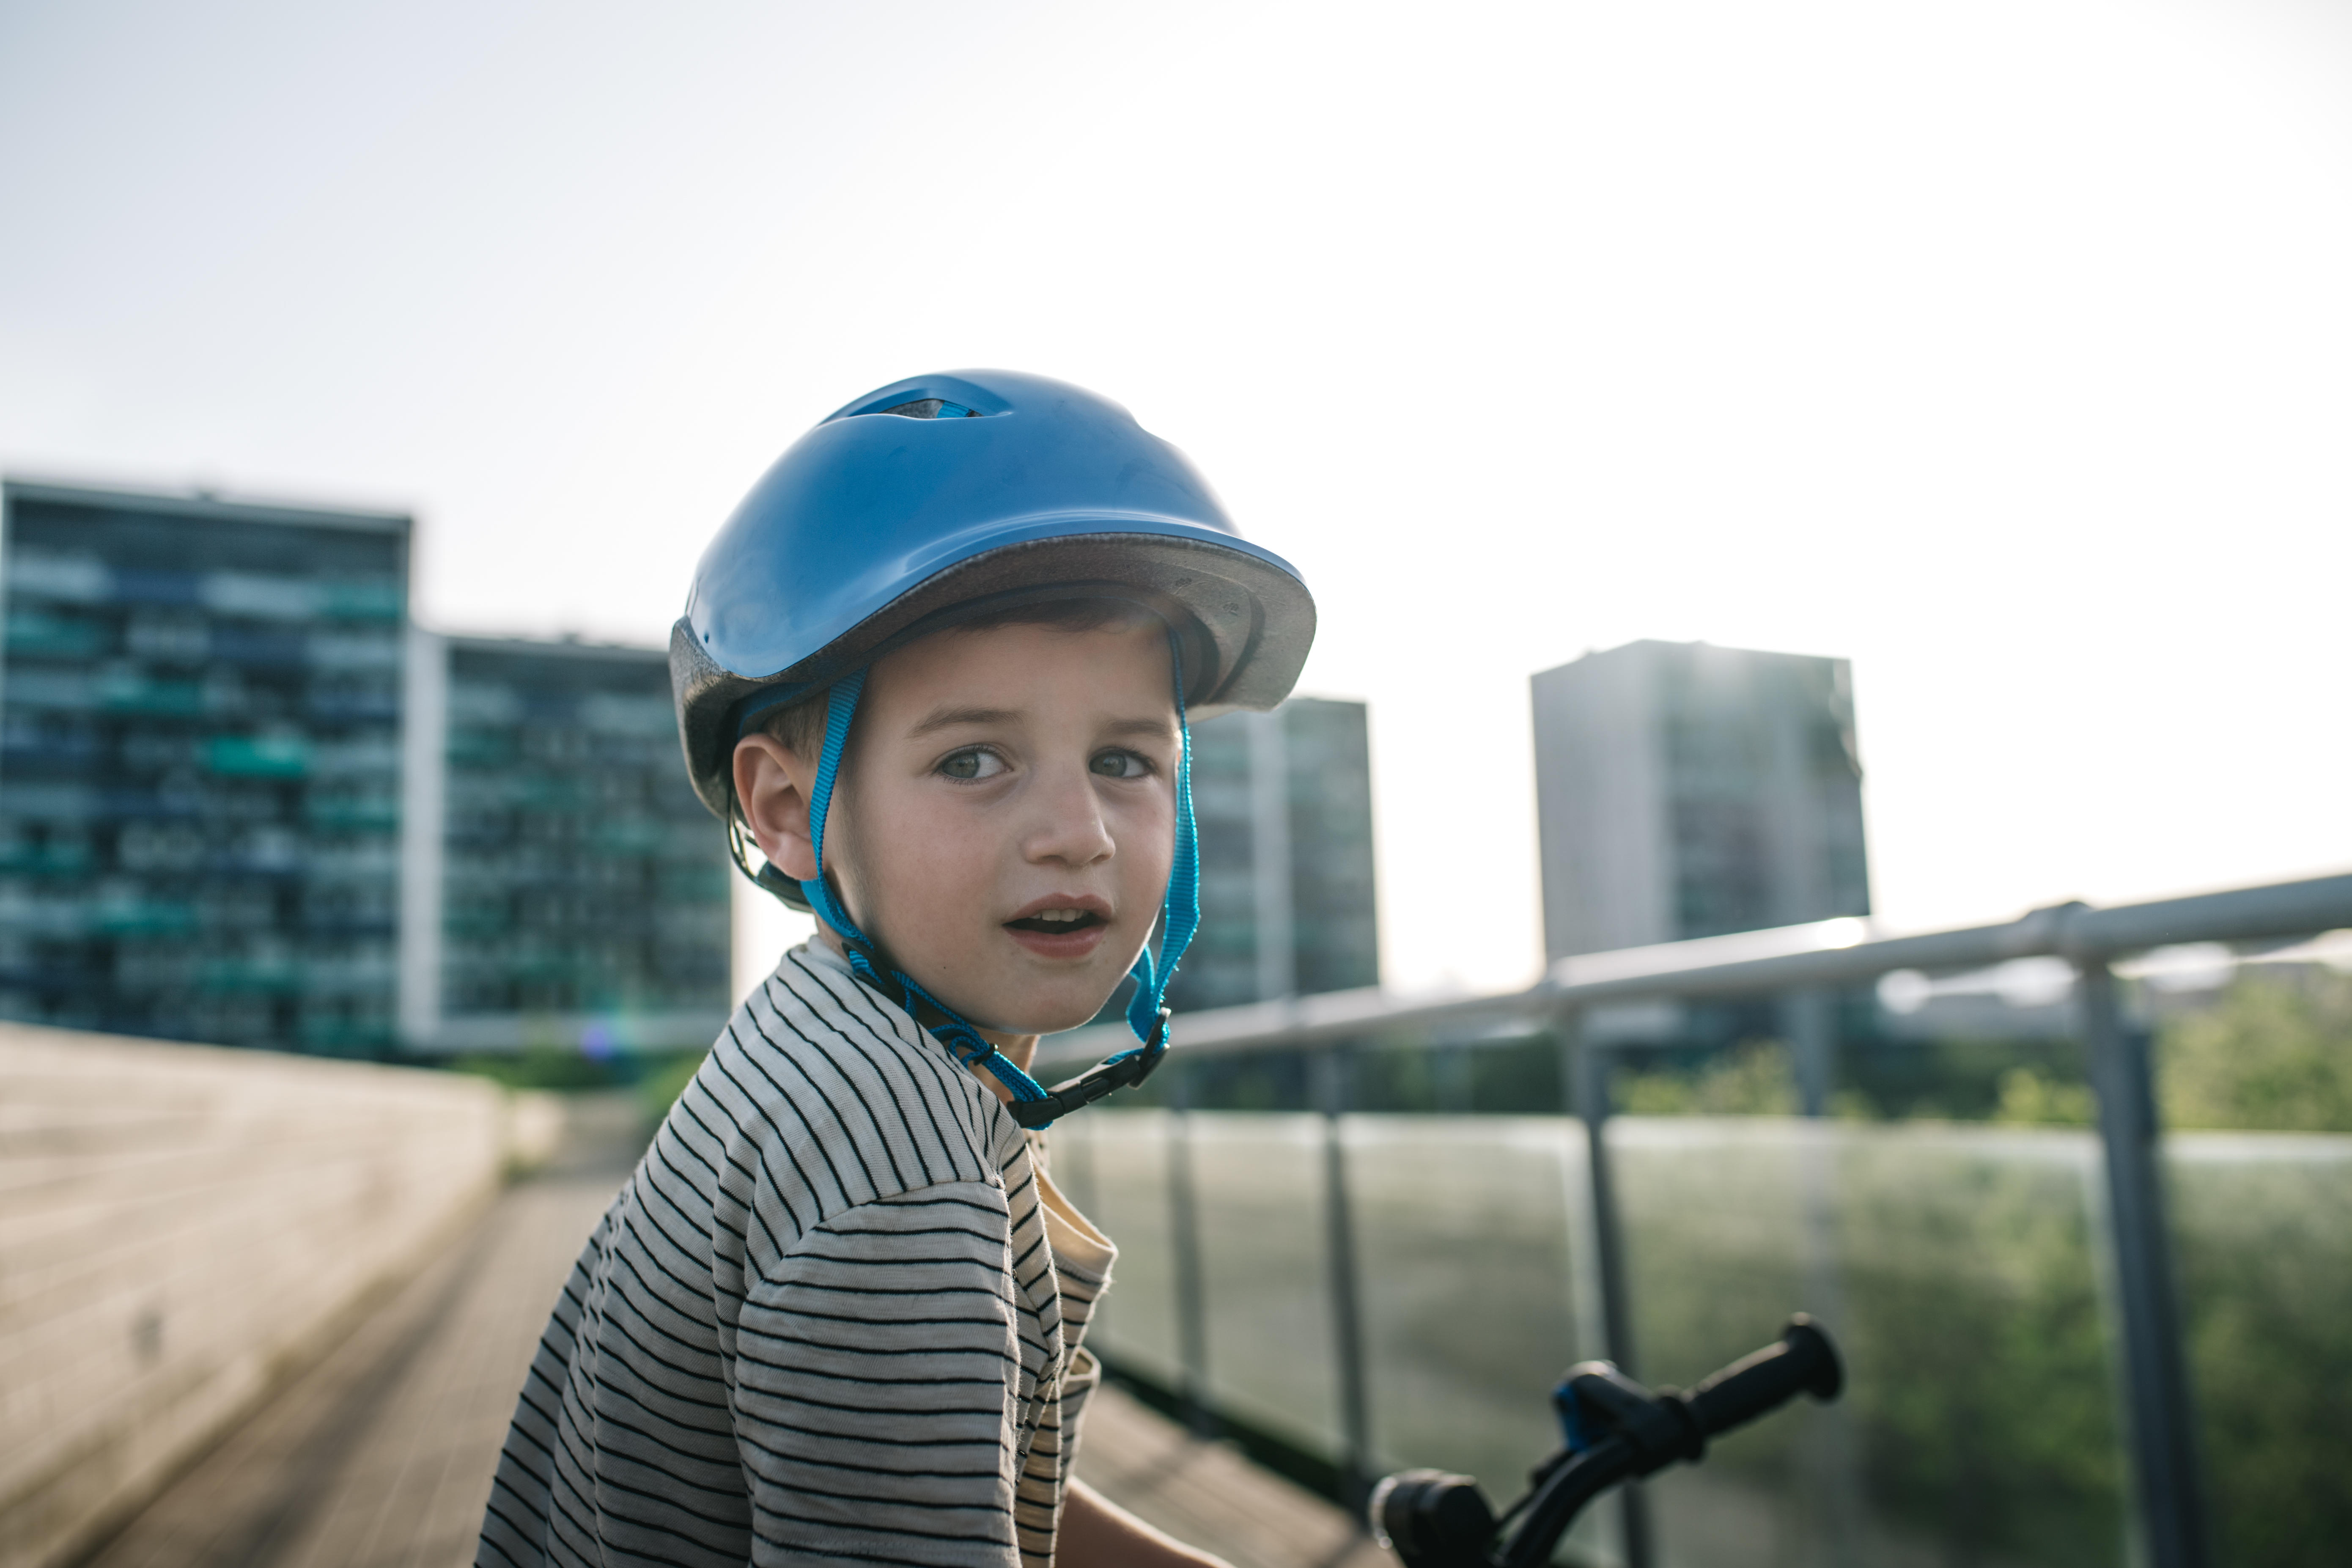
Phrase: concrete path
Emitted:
{"points": [[380, 1455]]}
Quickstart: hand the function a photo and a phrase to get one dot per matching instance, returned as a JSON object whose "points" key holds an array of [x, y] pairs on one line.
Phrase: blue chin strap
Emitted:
{"points": [[1032, 1104]]}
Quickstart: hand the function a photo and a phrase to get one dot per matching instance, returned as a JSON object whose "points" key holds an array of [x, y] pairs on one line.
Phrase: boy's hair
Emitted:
{"points": [[799, 727]]}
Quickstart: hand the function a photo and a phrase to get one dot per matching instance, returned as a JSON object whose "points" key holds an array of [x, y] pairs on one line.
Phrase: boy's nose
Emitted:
{"points": [[1068, 825]]}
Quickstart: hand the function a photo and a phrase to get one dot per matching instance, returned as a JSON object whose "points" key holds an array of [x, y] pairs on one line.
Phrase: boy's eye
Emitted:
{"points": [[1121, 765], [973, 765]]}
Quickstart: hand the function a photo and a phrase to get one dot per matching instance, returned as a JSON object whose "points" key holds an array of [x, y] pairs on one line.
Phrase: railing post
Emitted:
{"points": [[1588, 1075], [1184, 1246], [1810, 1019], [1333, 1091], [1453, 1077], [2167, 1483]]}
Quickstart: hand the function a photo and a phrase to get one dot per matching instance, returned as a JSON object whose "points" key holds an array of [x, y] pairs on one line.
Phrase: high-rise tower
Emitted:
{"points": [[1687, 791], [200, 770], [1285, 806], [566, 888]]}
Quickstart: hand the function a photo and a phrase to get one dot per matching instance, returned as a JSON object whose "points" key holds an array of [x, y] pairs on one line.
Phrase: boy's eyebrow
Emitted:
{"points": [[954, 718], [950, 718], [1154, 727]]}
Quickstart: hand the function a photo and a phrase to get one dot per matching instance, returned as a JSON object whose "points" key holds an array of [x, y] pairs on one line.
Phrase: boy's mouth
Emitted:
{"points": [[1056, 922], [1061, 927]]}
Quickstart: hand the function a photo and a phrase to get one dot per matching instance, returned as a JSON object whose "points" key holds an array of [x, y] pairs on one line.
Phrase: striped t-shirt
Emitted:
{"points": [[834, 1317]]}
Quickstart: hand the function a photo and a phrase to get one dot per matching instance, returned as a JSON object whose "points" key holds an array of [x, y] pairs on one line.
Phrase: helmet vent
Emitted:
{"points": [[932, 409]]}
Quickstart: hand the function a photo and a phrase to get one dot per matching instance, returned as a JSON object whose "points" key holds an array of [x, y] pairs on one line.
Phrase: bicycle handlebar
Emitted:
{"points": [[1617, 1430], [1805, 1361]]}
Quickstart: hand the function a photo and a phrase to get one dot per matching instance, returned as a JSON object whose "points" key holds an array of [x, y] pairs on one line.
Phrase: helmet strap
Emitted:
{"points": [[1179, 907]]}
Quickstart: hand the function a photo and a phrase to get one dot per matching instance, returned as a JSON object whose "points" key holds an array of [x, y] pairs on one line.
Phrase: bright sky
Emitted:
{"points": [[2004, 348]]}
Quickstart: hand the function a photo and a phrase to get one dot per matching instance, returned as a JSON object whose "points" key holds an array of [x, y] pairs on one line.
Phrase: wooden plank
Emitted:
{"points": [[381, 1455], [1209, 1496], [177, 1225]]}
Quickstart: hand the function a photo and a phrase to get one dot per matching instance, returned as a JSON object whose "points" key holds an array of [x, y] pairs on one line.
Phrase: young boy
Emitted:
{"points": [[938, 669]]}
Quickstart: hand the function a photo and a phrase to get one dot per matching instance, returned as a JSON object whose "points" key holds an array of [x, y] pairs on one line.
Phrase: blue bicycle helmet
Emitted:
{"points": [[930, 500]]}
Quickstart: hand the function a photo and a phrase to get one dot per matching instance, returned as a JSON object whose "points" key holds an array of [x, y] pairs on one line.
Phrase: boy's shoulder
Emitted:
{"points": [[842, 1096]]}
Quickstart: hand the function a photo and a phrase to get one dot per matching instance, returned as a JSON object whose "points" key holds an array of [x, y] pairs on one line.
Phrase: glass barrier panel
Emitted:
{"points": [[1954, 1265], [1113, 1164], [2263, 1229], [1462, 1227], [1266, 1268]]}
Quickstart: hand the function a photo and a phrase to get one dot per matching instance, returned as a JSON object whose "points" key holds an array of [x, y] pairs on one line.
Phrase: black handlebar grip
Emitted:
{"points": [[1805, 1361], [1431, 1518]]}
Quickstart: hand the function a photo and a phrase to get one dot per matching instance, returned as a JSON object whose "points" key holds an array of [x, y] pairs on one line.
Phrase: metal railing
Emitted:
{"points": [[2168, 1486]]}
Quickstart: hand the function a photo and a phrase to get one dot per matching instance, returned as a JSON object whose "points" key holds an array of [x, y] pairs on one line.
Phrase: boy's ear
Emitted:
{"points": [[771, 781]]}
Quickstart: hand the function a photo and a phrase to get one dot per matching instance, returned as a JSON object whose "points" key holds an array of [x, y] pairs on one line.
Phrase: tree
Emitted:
{"points": [[2274, 1054]]}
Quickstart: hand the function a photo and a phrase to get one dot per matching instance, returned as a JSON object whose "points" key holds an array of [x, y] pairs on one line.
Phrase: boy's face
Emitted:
{"points": [[1005, 818]]}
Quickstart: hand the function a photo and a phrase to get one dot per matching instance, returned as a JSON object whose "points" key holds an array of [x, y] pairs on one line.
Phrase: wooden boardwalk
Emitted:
{"points": [[1208, 1495], [380, 1454]]}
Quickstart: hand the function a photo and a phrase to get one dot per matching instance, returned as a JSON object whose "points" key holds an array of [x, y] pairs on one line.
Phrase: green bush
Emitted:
{"points": [[1756, 1080], [2031, 1098], [653, 1079], [2266, 1274], [2275, 1054], [563, 1069], [1954, 1268]]}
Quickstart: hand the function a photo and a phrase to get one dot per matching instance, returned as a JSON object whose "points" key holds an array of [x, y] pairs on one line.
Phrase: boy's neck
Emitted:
{"points": [[1018, 1050]]}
